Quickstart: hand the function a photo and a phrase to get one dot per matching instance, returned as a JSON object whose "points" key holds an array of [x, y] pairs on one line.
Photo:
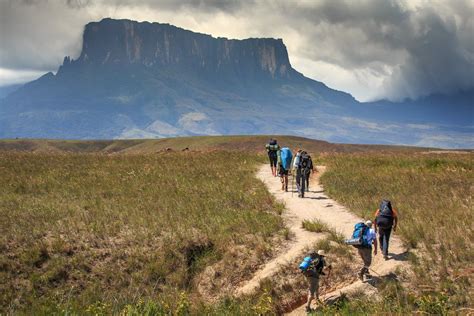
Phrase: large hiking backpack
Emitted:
{"points": [[305, 160], [357, 240], [312, 267], [272, 147], [286, 156], [385, 216]]}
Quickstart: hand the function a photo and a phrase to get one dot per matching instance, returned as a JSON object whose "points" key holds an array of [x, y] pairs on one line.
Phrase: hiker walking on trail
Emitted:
{"points": [[304, 166], [368, 237], [272, 150], [386, 218], [313, 267], [311, 170], [284, 165]]}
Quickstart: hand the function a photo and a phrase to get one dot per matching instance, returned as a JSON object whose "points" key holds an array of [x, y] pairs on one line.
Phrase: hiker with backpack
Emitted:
{"points": [[272, 150], [386, 218], [284, 165], [304, 166], [311, 170], [362, 238], [313, 267]]}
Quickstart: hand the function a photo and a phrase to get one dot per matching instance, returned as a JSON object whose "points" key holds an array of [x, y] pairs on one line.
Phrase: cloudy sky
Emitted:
{"points": [[371, 48]]}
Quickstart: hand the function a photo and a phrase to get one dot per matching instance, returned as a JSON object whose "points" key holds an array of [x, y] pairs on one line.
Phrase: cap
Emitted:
{"points": [[321, 253], [368, 223]]}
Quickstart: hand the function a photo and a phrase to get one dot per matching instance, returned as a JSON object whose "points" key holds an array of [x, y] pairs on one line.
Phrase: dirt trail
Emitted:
{"points": [[316, 205]]}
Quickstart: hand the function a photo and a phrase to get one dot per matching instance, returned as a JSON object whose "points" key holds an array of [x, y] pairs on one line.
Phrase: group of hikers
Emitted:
{"points": [[364, 236], [282, 163]]}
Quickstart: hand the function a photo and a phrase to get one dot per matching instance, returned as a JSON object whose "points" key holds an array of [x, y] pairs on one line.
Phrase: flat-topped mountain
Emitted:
{"points": [[140, 79], [163, 46]]}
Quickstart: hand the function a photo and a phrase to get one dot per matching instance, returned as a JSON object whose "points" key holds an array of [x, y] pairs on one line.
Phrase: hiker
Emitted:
{"points": [[284, 164], [272, 149], [311, 170], [365, 248], [313, 267], [304, 166], [386, 218]]}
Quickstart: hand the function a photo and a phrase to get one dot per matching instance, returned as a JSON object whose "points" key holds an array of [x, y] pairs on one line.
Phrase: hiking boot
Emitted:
{"points": [[385, 257]]}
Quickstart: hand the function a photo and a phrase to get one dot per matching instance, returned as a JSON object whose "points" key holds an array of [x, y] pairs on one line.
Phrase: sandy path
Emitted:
{"points": [[315, 205]]}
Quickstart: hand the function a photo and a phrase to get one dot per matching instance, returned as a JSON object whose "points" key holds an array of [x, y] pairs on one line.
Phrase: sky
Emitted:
{"points": [[373, 49]]}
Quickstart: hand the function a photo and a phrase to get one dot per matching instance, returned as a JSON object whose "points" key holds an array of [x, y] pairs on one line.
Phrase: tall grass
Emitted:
{"points": [[92, 231], [434, 197]]}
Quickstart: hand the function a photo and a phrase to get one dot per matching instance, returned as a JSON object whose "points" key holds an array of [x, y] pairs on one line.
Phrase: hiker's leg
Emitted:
{"points": [[387, 233], [366, 255], [286, 182], [381, 239], [298, 180], [303, 183], [362, 256], [313, 290]]}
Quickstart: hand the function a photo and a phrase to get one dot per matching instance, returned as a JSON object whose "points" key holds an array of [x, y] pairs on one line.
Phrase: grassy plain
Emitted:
{"points": [[434, 196], [91, 232], [131, 227]]}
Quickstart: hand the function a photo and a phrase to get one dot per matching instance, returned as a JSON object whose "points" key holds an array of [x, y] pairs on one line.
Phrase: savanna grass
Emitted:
{"points": [[433, 195], [82, 232]]}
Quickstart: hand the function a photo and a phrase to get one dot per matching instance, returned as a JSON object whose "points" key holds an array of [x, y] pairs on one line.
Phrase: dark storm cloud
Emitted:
{"points": [[371, 48]]}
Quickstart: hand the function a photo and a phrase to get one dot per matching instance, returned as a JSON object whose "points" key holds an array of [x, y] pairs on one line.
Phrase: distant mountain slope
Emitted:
{"points": [[147, 80], [255, 144]]}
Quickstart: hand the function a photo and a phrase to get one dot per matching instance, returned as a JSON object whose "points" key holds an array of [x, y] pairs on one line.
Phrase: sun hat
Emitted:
{"points": [[321, 252]]}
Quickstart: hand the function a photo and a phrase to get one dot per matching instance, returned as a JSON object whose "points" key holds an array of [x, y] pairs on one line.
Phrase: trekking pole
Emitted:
{"points": [[375, 272], [292, 182]]}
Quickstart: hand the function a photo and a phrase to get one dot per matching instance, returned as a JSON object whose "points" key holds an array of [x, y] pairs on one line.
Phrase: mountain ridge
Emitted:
{"points": [[147, 80]]}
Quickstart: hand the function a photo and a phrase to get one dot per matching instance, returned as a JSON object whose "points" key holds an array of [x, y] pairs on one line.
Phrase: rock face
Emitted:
{"points": [[135, 80], [166, 47]]}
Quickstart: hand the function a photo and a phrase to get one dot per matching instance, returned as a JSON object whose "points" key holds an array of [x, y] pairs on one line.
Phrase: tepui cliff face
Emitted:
{"points": [[163, 46]]}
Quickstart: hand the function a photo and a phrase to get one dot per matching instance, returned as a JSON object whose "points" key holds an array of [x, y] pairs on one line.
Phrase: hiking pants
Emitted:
{"points": [[272, 156], [366, 255], [302, 176], [298, 179], [384, 237], [313, 287]]}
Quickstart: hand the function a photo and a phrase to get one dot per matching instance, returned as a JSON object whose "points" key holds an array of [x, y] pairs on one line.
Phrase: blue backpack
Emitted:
{"points": [[305, 264], [286, 156], [357, 240]]}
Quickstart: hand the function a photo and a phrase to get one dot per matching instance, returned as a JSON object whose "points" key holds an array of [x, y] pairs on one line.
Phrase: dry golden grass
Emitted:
{"points": [[434, 196], [93, 231]]}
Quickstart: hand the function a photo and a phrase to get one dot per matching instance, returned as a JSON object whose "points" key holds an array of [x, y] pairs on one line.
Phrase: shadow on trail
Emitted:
{"points": [[398, 256], [317, 198], [377, 280]]}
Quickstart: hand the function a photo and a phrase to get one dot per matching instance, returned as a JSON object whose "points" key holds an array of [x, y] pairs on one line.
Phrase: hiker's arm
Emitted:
{"points": [[375, 246], [375, 220], [395, 220]]}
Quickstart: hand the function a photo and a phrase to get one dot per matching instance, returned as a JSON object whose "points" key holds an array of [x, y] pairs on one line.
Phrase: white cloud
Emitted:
{"points": [[8, 76]]}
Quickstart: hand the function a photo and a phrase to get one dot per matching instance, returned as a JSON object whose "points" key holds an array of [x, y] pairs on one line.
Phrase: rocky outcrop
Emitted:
{"points": [[159, 46]]}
